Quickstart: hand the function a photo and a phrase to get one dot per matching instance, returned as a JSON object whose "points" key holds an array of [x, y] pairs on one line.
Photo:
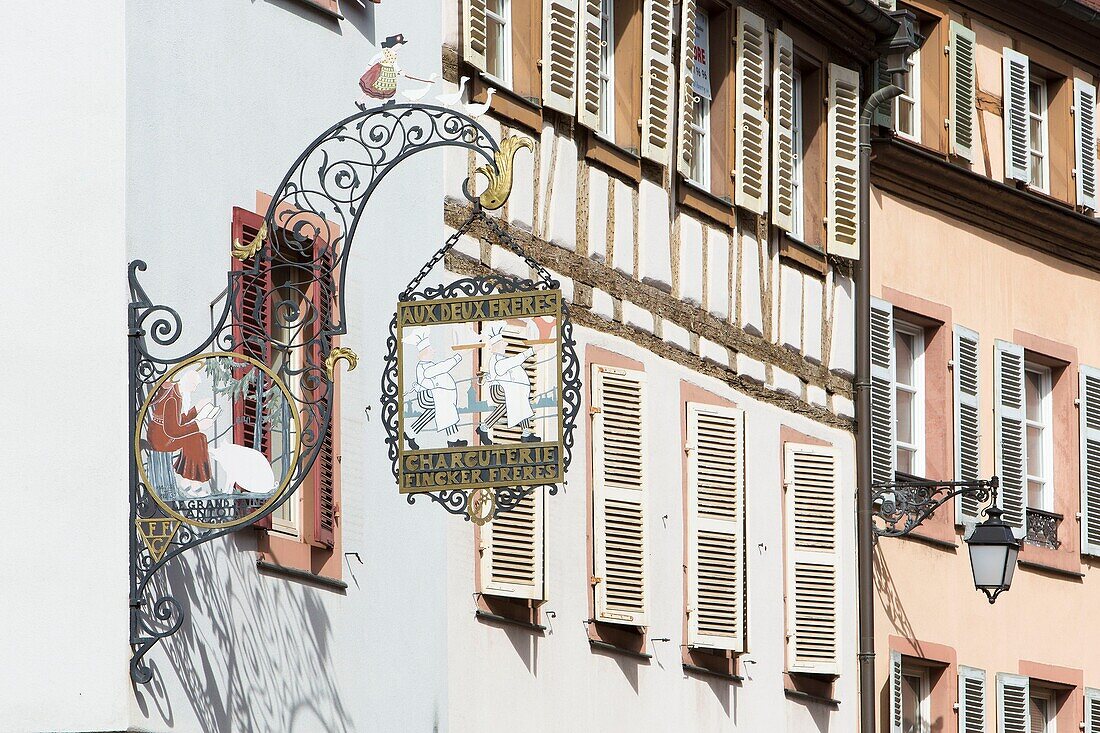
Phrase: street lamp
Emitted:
{"points": [[902, 506]]}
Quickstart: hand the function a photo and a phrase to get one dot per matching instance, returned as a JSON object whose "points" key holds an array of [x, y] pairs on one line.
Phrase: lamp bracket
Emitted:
{"points": [[899, 507]]}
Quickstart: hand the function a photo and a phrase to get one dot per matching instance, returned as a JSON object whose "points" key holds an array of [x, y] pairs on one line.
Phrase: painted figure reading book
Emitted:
{"points": [[177, 426]]}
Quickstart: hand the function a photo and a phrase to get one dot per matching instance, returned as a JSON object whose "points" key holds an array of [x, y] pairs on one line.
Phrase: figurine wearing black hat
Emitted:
{"points": [[380, 81]]}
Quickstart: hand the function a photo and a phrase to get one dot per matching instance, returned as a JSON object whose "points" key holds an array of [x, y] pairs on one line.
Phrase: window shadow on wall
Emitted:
{"points": [[253, 653]]}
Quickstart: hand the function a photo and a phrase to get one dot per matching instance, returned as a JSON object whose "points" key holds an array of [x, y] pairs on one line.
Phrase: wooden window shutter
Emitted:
{"points": [[1089, 411], [883, 457], [812, 558], [1017, 126], [750, 125], [1084, 137], [895, 692], [588, 66], [1013, 711], [843, 163], [716, 526], [322, 529], [1009, 405], [1092, 710], [962, 93], [474, 33], [966, 376], [783, 152], [658, 80], [512, 551], [559, 55], [618, 473], [971, 700], [252, 326], [686, 96]]}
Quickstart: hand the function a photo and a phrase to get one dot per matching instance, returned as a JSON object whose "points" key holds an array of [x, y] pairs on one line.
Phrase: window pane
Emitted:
{"points": [[494, 53], [905, 460], [905, 416], [1035, 495], [1035, 451], [1033, 393], [910, 705], [904, 350], [1039, 714], [1037, 179], [1035, 98], [905, 116]]}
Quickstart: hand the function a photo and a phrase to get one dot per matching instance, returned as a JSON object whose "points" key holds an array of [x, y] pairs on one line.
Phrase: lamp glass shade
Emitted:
{"points": [[993, 552]]}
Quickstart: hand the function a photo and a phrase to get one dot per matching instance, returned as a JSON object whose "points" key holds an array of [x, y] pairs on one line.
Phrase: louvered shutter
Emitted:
{"points": [[474, 33], [252, 328], [783, 102], [512, 551], [843, 163], [1009, 403], [1017, 125], [895, 692], [1092, 710], [1013, 711], [971, 700], [1089, 410], [965, 376], [883, 456], [588, 66], [322, 529], [750, 126], [618, 475], [812, 577], [1084, 136], [716, 526], [684, 152], [658, 79], [559, 55], [962, 89]]}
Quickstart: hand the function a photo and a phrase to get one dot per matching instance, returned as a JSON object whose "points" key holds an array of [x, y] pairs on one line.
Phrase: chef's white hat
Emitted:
{"points": [[493, 333], [417, 337]]}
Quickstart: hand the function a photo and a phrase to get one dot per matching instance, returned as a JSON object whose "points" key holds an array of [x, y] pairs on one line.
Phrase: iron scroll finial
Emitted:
{"points": [[499, 175]]}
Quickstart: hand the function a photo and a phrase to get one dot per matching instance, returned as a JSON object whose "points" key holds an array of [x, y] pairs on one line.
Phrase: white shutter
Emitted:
{"points": [[618, 474], [883, 456], [1084, 137], [895, 692], [843, 163], [1089, 410], [1017, 125], [512, 551], [1009, 403], [962, 92], [1013, 711], [971, 700], [560, 33], [783, 102], [750, 126], [812, 559], [966, 376], [716, 526], [685, 97], [474, 33], [1092, 710], [658, 79], [588, 66]]}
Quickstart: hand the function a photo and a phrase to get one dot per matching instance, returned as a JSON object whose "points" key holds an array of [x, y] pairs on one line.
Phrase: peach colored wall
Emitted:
{"points": [[1003, 291]]}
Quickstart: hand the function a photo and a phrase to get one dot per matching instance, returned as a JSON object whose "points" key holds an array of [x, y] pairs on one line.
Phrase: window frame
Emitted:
{"points": [[1043, 117], [798, 216], [1050, 707], [924, 696], [504, 21], [607, 70], [1046, 426], [918, 391], [913, 97], [700, 173]]}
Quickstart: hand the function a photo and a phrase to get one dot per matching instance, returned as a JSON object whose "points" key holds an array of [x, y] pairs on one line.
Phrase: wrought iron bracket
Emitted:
{"points": [[899, 507]]}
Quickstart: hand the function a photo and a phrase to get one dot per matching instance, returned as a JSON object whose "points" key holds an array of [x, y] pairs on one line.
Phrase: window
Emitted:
{"points": [[498, 43], [909, 398], [700, 140], [1040, 445], [915, 700], [798, 155], [607, 69], [1043, 711], [1037, 122], [907, 104]]}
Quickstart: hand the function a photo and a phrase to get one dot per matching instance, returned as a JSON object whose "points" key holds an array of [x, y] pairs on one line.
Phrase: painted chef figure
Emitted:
{"points": [[380, 80], [435, 388], [509, 387]]}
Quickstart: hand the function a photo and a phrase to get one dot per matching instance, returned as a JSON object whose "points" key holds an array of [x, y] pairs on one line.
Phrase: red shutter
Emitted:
{"points": [[251, 331], [323, 474]]}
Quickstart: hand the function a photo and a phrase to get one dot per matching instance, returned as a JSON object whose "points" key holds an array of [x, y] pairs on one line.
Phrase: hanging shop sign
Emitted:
{"points": [[482, 389]]}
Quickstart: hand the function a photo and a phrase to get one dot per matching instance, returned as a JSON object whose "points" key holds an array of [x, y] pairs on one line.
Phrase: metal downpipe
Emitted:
{"points": [[865, 538]]}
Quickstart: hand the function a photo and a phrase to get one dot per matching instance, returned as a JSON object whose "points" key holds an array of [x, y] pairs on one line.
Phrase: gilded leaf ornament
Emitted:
{"points": [[243, 252], [338, 353], [500, 176]]}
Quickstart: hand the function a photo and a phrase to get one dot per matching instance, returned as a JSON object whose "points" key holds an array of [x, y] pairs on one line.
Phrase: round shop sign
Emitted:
{"points": [[217, 440]]}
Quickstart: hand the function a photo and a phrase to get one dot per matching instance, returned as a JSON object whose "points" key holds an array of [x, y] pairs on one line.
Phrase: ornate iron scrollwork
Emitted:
{"points": [[1042, 528], [310, 223], [901, 506]]}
